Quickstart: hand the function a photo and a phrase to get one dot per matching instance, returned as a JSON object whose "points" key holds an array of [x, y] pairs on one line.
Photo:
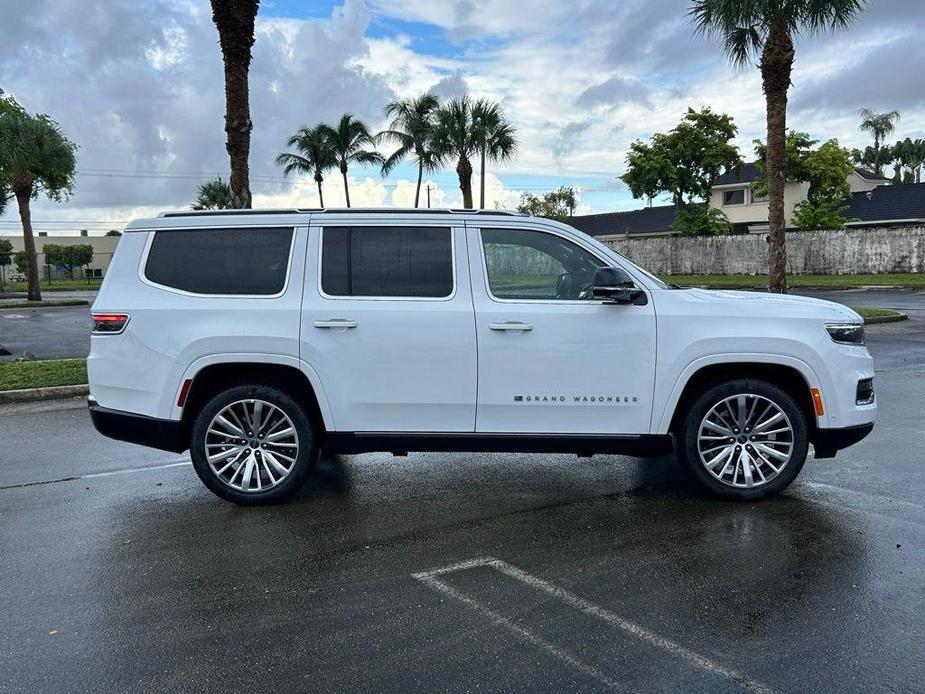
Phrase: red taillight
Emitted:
{"points": [[109, 323]]}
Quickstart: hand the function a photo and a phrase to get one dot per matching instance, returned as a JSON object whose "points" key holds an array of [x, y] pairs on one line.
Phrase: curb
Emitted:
{"points": [[886, 319], [9, 397], [43, 304]]}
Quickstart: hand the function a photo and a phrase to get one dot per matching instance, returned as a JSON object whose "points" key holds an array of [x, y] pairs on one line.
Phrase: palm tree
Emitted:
{"points": [[879, 125], [919, 159], [455, 136], [214, 194], [234, 20], [496, 138], [412, 128], [5, 196], [348, 140], [35, 157], [766, 28], [315, 155]]}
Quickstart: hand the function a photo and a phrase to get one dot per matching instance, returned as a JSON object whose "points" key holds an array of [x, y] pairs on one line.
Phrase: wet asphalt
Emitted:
{"points": [[120, 572]]}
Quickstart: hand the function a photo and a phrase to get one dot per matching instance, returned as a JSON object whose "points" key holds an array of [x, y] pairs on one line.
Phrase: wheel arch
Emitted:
{"points": [[210, 375], [792, 375]]}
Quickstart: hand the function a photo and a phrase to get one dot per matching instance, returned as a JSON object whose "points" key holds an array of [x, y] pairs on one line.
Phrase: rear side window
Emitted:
{"points": [[221, 261], [387, 262]]}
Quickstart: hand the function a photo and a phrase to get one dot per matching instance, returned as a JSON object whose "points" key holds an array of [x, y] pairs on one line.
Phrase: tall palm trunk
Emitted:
{"points": [[318, 179], [417, 190], [343, 172], [482, 182], [879, 167], [776, 66], [464, 171], [23, 194], [234, 20]]}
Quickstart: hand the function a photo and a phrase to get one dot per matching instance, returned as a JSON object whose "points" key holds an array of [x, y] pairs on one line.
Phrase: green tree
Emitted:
{"points": [[906, 157], [35, 157], [6, 258], [699, 219], [879, 125], [826, 169], [21, 262], [68, 257], [314, 155], [558, 204], [113, 232], [214, 194], [796, 148], [349, 140], [685, 161], [767, 28], [5, 197], [496, 138], [868, 157], [412, 129], [455, 137], [234, 20]]}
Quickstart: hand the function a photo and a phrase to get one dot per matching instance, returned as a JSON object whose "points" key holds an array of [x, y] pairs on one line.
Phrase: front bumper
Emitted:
{"points": [[164, 434], [828, 442]]}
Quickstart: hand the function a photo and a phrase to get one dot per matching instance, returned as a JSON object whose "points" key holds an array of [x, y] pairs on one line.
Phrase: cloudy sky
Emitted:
{"points": [[138, 85]]}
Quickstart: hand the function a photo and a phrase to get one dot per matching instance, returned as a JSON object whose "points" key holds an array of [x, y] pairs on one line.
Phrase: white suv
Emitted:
{"points": [[257, 338]]}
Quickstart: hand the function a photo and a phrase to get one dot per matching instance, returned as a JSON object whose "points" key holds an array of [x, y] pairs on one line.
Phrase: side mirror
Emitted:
{"points": [[615, 286]]}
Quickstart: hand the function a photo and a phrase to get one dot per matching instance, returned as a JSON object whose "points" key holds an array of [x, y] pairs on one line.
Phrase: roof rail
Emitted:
{"points": [[343, 210]]}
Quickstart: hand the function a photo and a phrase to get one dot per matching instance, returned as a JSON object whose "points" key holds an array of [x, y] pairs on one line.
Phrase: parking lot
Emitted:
{"points": [[119, 571]]}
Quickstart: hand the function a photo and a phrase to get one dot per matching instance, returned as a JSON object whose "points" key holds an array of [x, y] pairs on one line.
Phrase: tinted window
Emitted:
{"points": [[534, 265], [387, 261], [220, 261]]}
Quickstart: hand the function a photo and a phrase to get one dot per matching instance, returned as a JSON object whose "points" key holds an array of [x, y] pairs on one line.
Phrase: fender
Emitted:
{"points": [[671, 403], [176, 413]]}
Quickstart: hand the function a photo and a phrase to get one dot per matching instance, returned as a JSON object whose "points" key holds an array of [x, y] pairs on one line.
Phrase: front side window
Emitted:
{"points": [[240, 261], [396, 262], [536, 265], [734, 197]]}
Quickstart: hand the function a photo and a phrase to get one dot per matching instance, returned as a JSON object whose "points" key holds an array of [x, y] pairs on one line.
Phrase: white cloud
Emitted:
{"points": [[139, 87]]}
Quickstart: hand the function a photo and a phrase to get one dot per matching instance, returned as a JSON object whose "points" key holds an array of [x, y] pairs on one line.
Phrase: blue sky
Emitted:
{"points": [[138, 87]]}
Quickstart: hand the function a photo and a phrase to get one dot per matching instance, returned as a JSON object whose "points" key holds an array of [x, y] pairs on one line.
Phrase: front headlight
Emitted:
{"points": [[846, 333]]}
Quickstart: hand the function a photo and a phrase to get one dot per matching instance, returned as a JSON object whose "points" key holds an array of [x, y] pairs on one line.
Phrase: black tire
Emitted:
{"points": [[687, 444], [305, 459]]}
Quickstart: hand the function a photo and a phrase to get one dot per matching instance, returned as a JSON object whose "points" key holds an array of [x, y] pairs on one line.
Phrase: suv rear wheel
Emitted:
{"points": [[743, 439], [253, 444]]}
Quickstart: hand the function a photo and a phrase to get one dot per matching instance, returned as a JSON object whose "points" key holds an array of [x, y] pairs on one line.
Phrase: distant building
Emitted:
{"points": [[873, 203], [103, 248]]}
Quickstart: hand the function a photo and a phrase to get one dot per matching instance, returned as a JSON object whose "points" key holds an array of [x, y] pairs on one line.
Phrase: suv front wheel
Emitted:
{"points": [[253, 444], [743, 439]]}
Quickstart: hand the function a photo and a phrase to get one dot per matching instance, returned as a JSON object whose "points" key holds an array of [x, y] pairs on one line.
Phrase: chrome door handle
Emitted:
{"points": [[512, 325], [335, 323]]}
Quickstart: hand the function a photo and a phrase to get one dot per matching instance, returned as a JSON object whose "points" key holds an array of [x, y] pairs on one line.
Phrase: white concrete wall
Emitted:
{"points": [[847, 252]]}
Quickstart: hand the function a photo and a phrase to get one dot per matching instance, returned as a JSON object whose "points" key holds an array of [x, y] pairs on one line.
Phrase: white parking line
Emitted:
{"points": [[432, 580]]}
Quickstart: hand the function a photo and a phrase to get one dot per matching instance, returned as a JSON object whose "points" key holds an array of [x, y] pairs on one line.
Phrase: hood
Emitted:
{"points": [[785, 303]]}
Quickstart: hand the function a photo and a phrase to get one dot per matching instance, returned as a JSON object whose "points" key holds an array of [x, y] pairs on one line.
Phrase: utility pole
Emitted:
{"points": [[428, 195]]}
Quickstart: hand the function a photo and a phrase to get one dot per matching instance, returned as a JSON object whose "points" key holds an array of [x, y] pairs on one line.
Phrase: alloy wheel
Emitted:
{"points": [[745, 440], [251, 445]]}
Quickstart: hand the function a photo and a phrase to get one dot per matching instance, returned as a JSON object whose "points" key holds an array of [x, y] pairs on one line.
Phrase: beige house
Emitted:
{"points": [[733, 194], [873, 202], [103, 248]]}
